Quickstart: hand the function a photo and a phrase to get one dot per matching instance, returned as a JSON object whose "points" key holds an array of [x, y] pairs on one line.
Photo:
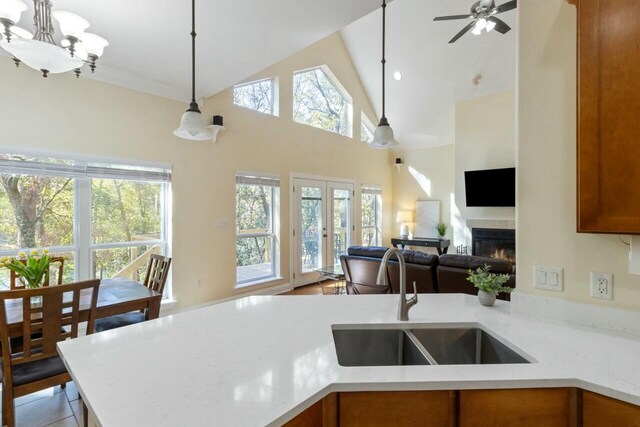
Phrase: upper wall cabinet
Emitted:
{"points": [[608, 116]]}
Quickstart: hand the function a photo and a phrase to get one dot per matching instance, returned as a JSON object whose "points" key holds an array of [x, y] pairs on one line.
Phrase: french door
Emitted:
{"points": [[322, 226]]}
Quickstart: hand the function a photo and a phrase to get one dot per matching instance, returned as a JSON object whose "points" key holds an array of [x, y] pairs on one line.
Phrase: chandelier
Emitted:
{"points": [[40, 51]]}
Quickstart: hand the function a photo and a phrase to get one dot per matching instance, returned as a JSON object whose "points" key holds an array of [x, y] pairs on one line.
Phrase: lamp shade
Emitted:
{"points": [[71, 24], [404, 216], [21, 32], [383, 137], [93, 44], [41, 55], [192, 127], [11, 10]]}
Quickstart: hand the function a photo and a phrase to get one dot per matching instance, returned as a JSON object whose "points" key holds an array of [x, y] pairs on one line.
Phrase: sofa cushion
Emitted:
{"points": [[367, 251], [466, 262]]}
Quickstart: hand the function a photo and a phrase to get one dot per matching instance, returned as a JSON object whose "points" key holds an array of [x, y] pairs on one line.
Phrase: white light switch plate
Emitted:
{"points": [[634, 255], [548, 278]]}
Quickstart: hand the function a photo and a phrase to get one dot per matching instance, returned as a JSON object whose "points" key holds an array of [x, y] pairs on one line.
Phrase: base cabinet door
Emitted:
{"points": [[521, 407], [400, 408], [603, 411]]}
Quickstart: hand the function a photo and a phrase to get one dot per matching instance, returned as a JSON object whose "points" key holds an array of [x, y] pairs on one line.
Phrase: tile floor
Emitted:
{"points": [[54, 407]]}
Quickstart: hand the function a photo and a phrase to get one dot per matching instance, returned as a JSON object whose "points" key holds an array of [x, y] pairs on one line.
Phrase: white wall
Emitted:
{"points": [[546, 212], [69, 115], [427, 174], [485, 139]]}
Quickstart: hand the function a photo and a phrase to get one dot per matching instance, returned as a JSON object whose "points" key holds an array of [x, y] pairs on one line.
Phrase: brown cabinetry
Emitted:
{"points": [[608, 116], [549, 407], [603, 411]]}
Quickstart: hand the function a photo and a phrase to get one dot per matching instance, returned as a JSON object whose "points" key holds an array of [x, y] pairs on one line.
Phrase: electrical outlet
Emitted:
{"points": [[602, 285], [548, 278]]}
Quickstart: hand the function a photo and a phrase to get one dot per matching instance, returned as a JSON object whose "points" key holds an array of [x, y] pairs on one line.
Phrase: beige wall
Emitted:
{"points": [[546, 213], [427, 174], [69, 115], [485, 139]]}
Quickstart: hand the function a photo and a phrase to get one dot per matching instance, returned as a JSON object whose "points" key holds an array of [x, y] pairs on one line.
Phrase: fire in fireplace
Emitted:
{"points": [[494, 243]]}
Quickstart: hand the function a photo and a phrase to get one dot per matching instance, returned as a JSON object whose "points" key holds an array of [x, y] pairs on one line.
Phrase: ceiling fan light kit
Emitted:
{"points": [[483, 15], [40, 51], [383, 135]]}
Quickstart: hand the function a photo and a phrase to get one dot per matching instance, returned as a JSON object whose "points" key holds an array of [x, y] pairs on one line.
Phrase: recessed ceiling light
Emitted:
{"points": [[397, 75]]}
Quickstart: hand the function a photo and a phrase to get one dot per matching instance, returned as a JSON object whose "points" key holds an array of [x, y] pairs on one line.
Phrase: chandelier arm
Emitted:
{"points": [[42, 21]]}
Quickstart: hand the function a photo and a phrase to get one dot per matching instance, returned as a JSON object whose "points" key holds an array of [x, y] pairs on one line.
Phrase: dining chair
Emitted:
{"points": [[155, 279], [14, 277], [44, 313]]}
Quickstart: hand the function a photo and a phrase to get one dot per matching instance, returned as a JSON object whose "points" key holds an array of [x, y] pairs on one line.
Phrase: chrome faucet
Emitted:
{"points": [[405, 304]]}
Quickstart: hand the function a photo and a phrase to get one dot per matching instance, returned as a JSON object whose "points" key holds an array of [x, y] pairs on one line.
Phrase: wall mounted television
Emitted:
{"points": [[491, 188]]}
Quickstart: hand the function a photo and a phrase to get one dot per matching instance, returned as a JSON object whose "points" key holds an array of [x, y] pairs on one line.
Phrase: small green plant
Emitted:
{"points": [[441, 228], [489, 282], [31, 269]]}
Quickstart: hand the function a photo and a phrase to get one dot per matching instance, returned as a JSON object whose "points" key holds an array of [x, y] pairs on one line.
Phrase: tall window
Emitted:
{"points": [[366, 129], [320, 101], [257, 221], [259, 96], [371, 216], [107, 219]]}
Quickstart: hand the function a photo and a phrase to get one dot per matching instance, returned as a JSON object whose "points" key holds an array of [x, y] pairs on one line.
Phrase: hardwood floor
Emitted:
{"points": [[316, 289]]}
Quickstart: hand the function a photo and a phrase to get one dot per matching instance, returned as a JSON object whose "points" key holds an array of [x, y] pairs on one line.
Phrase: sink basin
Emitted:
{"points": [[400, 345], [465, 346], [376, 347]]}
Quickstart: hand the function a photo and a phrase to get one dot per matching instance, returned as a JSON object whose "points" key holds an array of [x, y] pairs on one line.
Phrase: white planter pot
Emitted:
{"points": [[487, 299]]}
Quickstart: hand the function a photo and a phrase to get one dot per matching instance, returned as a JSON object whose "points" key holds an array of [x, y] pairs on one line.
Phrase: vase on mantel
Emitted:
{"points": [[486, 298]]}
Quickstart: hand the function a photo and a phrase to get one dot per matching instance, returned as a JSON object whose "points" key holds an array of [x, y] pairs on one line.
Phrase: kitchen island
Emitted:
{"points": [[263, 360]]}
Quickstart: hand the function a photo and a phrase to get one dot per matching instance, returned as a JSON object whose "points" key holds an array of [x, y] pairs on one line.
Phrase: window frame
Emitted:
{"points": [[377, 227], [83, 246], [273, 234], [339, 87], [275, 90], [368, 125]]}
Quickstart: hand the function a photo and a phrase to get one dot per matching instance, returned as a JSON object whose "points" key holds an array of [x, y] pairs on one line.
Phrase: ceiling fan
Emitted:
{"points": [[483, 13]]}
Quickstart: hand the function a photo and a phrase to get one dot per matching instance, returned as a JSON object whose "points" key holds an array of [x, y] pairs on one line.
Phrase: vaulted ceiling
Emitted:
{"points": [[150, 46], [435, 74]]}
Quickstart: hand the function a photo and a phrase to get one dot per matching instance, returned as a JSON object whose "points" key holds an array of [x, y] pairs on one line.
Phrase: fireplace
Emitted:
{"points": [[494, 243]]}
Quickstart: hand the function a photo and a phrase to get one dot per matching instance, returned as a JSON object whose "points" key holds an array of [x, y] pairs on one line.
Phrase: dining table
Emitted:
{"points": [[115, 296]]}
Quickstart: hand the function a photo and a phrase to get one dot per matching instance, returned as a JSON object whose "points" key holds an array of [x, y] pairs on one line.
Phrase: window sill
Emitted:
{"points": [[250, 286]]}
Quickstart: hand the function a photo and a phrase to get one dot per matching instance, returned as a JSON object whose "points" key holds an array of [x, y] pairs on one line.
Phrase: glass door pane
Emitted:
{"points": [[312, 231], [341, 223]]}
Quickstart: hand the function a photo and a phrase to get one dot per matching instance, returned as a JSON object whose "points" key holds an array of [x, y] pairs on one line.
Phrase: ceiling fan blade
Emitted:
{"points": [[452, 17], [505, 7], [464, 31], [501, 26]]}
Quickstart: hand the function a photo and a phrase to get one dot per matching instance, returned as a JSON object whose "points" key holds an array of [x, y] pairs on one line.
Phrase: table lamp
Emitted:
{"points": [[404, 217]]}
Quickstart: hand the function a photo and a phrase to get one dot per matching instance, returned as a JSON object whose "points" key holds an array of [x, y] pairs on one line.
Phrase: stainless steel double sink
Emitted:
{"points": [[428, 344]]}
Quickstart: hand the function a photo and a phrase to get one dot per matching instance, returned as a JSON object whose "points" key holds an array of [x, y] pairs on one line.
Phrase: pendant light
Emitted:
{"points": [[192, 123], [383, 135]]}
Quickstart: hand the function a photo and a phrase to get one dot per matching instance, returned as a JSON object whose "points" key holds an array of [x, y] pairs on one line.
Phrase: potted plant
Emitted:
{"points": [[441, 228], [31, 269], [489, 284]]}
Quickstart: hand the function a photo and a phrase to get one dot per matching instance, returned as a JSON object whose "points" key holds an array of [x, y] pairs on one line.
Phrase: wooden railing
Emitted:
{"points": [[130, 269]]}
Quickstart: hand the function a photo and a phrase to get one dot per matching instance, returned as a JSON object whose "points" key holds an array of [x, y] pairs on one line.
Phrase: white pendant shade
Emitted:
{"points": [[93, 44], [12, 9], [192, 127], [383, 137], [21, 32], [71, 24], [41, 55]]}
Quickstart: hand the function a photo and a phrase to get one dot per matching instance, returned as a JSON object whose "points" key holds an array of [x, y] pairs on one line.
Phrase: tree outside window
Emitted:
{"points": [[318, 102], [258, 96]]}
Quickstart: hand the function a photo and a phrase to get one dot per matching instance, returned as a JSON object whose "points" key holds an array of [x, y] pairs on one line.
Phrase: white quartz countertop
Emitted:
{"points": [[262, 360]]}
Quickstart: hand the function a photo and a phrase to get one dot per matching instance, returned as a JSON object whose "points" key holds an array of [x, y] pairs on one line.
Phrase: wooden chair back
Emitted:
{"points": [[16, 284], [157, 272], [44, 312]]}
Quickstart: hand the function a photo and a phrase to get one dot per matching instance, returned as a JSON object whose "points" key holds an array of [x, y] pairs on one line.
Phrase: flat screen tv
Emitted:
{"points": [[491, 188]]}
